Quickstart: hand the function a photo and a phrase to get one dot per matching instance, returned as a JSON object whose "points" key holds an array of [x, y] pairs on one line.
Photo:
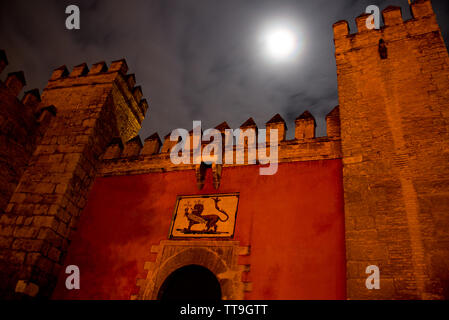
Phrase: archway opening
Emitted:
{"points": [[191, 282]]}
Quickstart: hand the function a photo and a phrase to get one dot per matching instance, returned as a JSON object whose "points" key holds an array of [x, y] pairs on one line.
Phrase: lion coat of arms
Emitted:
{"points": [[205, 216]]}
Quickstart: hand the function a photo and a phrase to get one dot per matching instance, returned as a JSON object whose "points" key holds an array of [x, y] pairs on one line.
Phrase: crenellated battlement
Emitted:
{"points": [[393, 96], [390, 131], [15, 82], [22, 125], [154, 155], [100, 73], [305, 126], [100, 83], [24, 110], [51, 150], [394, 28]]}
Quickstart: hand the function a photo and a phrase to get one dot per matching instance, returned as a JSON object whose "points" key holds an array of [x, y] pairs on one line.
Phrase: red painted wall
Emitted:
{"points": [[293, 221]]}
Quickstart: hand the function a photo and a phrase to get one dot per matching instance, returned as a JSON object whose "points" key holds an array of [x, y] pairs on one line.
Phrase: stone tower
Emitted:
{"points": [[79, 115], [393, 88]]}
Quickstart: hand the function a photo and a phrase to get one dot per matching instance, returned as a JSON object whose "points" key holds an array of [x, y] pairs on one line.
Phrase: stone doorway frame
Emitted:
{"points": [[220, 257]]}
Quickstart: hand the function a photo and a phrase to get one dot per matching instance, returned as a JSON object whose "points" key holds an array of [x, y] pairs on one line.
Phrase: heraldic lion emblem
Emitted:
{"points": [[196, 215]]}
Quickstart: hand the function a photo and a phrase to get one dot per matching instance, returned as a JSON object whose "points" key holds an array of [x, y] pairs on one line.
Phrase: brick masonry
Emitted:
{"points": [[394, 142], [91, 109], [395, 145], [20, 129]]}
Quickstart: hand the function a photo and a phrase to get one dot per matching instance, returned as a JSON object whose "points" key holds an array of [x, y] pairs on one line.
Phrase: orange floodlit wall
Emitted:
{"points": [[292, 221]]}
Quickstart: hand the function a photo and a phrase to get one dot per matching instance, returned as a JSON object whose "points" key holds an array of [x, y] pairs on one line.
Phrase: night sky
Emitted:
{"points": [[195, 59]]}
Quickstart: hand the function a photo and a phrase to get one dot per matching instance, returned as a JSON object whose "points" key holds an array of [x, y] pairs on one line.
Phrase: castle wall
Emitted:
{"points": [[394, 102], [20, 128], [384, 159], [291, 223], [90, 108]]}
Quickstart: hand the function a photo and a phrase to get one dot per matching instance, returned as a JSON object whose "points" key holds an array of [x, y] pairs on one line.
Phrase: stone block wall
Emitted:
{"points": [[91, 108], [393, 88], [21, 127], [391, 130]]}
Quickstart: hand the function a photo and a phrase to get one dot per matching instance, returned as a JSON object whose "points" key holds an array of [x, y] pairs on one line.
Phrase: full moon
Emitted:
{"points": [[280, 43]]}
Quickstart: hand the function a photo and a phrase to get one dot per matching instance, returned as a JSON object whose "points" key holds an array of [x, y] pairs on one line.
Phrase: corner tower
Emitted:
{"points": [[91, 109], [393, 88]]}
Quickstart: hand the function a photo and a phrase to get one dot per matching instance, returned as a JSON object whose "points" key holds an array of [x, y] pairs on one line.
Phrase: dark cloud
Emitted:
{"points": [[195, 59]]}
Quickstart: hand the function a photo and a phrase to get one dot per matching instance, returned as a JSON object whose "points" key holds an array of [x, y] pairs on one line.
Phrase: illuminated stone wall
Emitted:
{"points": [[395, 145]]}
